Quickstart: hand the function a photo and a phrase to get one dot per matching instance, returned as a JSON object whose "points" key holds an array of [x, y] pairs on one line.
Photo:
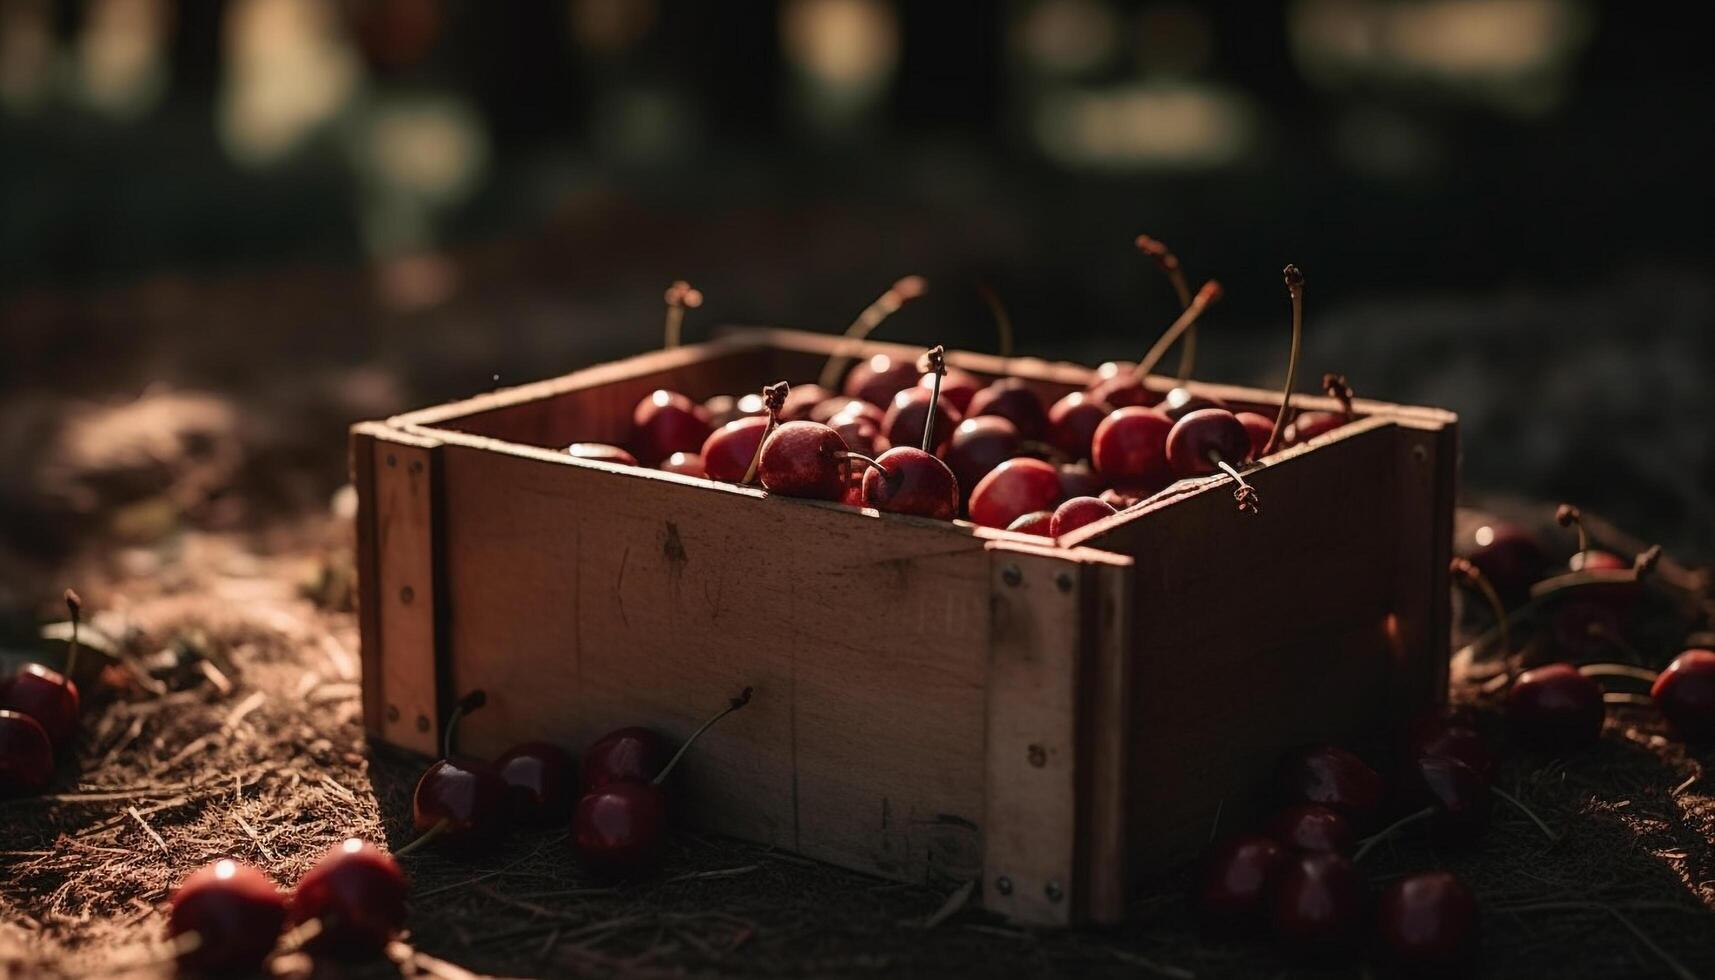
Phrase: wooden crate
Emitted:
{"points": [[934, 701]]}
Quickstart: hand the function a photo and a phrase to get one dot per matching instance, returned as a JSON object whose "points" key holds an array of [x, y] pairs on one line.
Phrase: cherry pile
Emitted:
{"points": [[40, 711], [930, 440]]}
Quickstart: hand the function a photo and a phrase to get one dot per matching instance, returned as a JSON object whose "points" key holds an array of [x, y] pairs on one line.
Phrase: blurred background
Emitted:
{"points": [[230, 227]]}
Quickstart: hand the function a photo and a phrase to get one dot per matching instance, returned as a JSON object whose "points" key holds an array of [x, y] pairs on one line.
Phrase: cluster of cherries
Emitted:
{"points": [[40, 711], [925, 439]]}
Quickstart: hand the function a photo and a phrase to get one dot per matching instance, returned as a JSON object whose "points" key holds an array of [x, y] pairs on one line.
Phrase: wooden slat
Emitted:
{"points": [[1106, 737]]}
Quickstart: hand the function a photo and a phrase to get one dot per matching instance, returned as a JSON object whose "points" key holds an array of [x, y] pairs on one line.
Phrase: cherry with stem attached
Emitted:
{"points": [[1295, 291], [1129, 388], [1587, 559], [730, 453], [1684, 691], [26, 754], [1169, 265], [351, 903], [619, 827], [47, 695], [225, 918], [874, 381], [1459, 801], [457, 800], [681, 296], [537, 777], [1555, 707], [904, 480], [1236, 880]]}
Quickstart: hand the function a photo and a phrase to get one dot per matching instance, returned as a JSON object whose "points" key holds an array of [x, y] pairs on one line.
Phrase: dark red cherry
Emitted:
{"points": [[47, 696], [1078, 512], [801, 402], [1460, 798], [685, 464], [1308, 425], [844, 405], [1685, 694], [463, 797], [1436, 736], [1428, 921], [357, 894], [619, 828], [538, 778], [978, 446], [1130, 448], [1072, 423], [881, 377], [1260, 427], [1014, 488], [666, 422], [1013, 400], [859, 431], [1079, 480], [728, 450], [229, 915], [1124, 391], [1508, 556], [1333, 777], [26, 755], [1201, 439], [957, 386], [1180, 402], [908, 413], [1237, 879], [725, 408], [910, 481], [1319, 904], [1039, 522], [628, 755], [1555, 708], [1597, 561], [1313, 827], [804, 459], [601, 451]]}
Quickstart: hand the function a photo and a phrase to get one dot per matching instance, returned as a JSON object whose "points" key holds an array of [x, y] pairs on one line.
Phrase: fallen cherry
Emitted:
{"points": [[904, 480], [627, 755], [1685, 693], [1040, 522], [1079, 512], [457, 800], [537, 777], [1319, 903], [666, 422], [685, 464], [225, 918], [601, 452], [619, 827], [1313, 827], [1332, 777], [978, 446], [1555, 708], [1457, 801], [1236, 880], [355, 895], [1448, 738], [1129, 448], [26, 754], [1072, 423], [47, 695], [1016, 487], [1509, 556], [1428, 921]]}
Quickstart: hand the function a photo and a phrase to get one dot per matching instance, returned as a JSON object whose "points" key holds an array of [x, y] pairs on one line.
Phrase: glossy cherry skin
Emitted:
{"points": [[1435, 736], [1508, 556], [1180, 402], [1079, 512], [957, 387], [804, 459], [1072, 423], [801, 402], [1461, 799], [846, 405], [626, 755], [1079, 480], [725, 408], [465, 793], [1038, 522], [910, 481], [1685, 694], [1428, 921], [47, 696], [910, 409], [357, 893], [1308, 425], [728, 450], [666, 422], [1016, 487], [859, 431], [1122, 497], [1130, 448], [1200, 438], [26, 755], [978, 445], [685, 464], [1333, 777], [1260, 428], [1555, 708], [236, 913], [1319, 903], [601, 451], [538, 777], [1124, 391], [1597, 561], [1013, 400], [619, 828], [1237, 879], [1313, 827], [881, 377]]}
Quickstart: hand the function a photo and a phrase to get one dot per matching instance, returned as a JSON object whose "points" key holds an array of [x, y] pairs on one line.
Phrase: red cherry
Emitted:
{"points": [[1124, 391], [628, 755], [1072, 423], [685, 464], [601, 451], [536, 776], [666, 422], [859, 431], [1013, 489], [1236, 880], [804, 459], [1555, 708], [728, 450], [1508, 556], [881, 377], [1428, 921], [229, 915], [619, 828], [1013, 400], [47, 696], [910, 481], [1039, 522], [1335, 778], [1685, 693], [357, 894], [1461, 800], [1313, 827], [1597, 561], [1260, 428], [725, 408], [1203, 439], [958, 387], [907, 415], [801, 402], [978, 446], [1130, 448], [465, 798], [26, 755], [1319, 903], [1180, 402], [844, 405], [1078, 512], [1435, 736], [1079, 480]]}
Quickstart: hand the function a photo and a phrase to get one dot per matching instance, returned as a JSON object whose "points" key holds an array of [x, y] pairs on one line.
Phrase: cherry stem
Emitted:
{"points": [[732, 705], [1168, 263], [860, 457], [1002, 320], [1368, 844], [937, 358], [1619, 670], [1469, 574], [1245, 494], [1628, 697], [1294, 289], [885, 305], [74, 606], [773, 399], [1569, 516], [470, 702], [1337, 387], [681, 296], [1210, 292], [425, 837], [1518, 804]]}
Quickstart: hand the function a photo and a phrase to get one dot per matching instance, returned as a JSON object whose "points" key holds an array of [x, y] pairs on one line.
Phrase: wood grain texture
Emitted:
{"points": [[1105, 733]]}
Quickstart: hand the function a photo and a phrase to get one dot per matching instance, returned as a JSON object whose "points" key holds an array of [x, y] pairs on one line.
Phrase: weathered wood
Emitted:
{"points": [[1106, 736]]}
